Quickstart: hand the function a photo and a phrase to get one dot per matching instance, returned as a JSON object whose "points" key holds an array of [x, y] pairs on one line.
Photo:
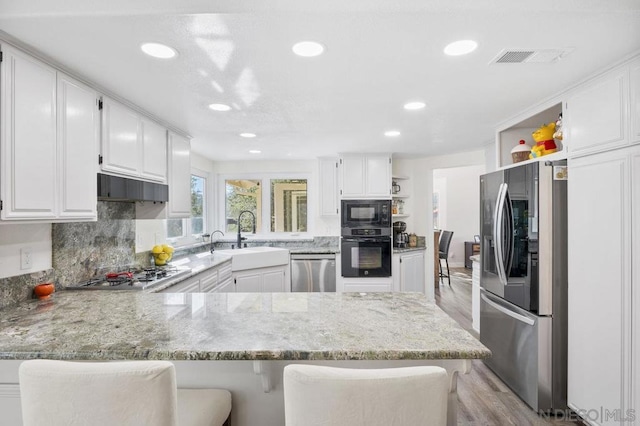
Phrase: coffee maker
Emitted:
{"points": [[400, 238]]}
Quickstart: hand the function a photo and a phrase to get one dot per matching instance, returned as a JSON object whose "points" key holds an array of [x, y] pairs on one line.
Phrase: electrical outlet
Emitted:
{"points": [[26, 260]]}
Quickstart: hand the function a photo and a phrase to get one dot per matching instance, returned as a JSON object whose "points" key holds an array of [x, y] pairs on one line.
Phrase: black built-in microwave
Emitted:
{"points": [[366, 218]]}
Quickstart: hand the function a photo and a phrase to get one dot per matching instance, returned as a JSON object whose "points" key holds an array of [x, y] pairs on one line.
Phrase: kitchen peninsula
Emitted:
{"points": [[238, 341]]}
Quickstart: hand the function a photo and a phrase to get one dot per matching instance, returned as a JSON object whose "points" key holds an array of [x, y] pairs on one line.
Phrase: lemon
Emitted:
{"points": [[167, 248], [163, 256], [156, 249]]}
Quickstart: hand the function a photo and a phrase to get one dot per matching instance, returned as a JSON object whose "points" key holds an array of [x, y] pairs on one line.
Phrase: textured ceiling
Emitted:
{"points": [[379, 55]]}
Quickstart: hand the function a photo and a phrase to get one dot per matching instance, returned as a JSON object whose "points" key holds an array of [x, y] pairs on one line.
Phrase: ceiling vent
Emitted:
{"points": [[518, 56]]}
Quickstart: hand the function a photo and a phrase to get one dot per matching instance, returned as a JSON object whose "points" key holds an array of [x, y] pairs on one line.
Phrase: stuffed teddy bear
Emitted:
{"points": [[544, 141]]}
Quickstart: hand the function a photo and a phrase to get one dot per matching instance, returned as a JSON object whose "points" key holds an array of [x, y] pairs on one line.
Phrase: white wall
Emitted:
{"points": [[421, 174], [459, 191], [13, 238]]}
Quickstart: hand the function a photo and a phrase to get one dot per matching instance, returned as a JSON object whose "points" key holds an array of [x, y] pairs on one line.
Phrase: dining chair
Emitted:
{"points": [[328, 396], [443, 253], [135, 393]]}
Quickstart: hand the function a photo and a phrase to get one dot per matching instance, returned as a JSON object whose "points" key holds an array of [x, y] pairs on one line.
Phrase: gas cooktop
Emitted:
{"points": [[139, 279]]}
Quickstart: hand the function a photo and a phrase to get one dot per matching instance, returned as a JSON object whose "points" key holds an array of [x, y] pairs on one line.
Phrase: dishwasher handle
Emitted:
{"points": [[312, 256]]}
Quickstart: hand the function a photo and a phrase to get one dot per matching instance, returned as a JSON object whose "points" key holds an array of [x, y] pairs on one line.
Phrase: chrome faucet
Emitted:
{"points": [[240, 238], [211, 239]]}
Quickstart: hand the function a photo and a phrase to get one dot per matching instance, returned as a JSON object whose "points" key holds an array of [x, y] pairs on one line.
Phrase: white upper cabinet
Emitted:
{"points": [[634, 101], [179, 204], [365, 176], [121, 145], [154, 151], [78, 139], [596, 114], [131, 144], [48, 147], [328, 181], [28, 145]]}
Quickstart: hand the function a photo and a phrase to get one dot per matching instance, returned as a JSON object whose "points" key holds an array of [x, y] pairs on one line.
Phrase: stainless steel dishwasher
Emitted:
{"points": [[313, 272]]}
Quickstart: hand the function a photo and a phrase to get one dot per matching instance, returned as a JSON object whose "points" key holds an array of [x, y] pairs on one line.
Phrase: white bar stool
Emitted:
{"points": [[318, 395], [136, 393]]}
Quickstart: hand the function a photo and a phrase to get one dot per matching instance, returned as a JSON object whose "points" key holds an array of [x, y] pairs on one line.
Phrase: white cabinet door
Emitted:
{"points": [[28, 144], [121, 145], [328, 178], [634, 102], [599, 280], [352, 177], [378, 178], [365, 176], [273, 281], [635, 276], [596, 114], [154, 151], [179, 204], [78, 139], [412, 272], [248, 282]]}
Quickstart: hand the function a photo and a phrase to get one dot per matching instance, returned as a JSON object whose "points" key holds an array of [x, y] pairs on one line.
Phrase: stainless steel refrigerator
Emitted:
{"points": [[523, 280]]}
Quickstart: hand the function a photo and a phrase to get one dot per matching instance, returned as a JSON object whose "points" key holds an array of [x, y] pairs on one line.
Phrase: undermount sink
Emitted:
{"points": [[256, 257]]}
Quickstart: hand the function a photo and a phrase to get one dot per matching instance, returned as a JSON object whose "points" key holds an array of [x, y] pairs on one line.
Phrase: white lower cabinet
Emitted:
{"points": [[190, 285], [274, 279], [603, 311], [209, 281], [216, 279], [408, 271]]}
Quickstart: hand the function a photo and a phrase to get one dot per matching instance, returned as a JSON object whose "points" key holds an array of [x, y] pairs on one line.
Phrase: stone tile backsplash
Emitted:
{"points": [[83, 249]]}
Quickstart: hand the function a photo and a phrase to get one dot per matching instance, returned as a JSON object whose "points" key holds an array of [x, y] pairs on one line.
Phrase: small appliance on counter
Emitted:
{"points": [[400, 238]]}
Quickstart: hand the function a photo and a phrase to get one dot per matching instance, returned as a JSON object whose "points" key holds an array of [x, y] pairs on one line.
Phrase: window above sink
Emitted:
{"points": [[279, 202]]}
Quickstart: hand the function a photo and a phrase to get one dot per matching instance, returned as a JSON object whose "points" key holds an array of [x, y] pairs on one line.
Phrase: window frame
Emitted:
{"points": [[265, 182], [187, 237]]}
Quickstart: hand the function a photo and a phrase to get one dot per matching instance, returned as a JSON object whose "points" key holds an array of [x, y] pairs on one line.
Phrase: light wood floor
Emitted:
{"points": [[483, 398]]}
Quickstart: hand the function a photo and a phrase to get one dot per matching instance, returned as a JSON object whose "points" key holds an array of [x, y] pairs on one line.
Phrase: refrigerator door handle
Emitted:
{"points": [[506, 311], [498, 233], [510, 238]]}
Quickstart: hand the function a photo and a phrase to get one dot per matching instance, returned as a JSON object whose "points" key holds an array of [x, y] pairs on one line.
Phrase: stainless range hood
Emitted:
{"points": [[115, 188]]}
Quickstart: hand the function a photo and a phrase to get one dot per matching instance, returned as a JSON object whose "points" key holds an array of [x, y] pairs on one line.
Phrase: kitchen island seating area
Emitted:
{"points": [[318, 395], [125, 393], [240, 342]]}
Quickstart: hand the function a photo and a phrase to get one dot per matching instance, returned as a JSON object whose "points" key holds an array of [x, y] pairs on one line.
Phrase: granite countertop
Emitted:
{"points": [[233, 326], [407, 249]]}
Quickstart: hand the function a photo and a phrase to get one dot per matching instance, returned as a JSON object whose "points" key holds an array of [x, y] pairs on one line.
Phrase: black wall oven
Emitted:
{"points": [[366, 238], [366, 257]]}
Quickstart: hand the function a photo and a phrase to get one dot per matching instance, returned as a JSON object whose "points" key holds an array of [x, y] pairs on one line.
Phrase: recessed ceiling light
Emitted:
{"points": [[392, 133], [308, 48], [254, 151], [220, 107], [158, 50], [460, 47], [414, 105], [248, 135]]}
